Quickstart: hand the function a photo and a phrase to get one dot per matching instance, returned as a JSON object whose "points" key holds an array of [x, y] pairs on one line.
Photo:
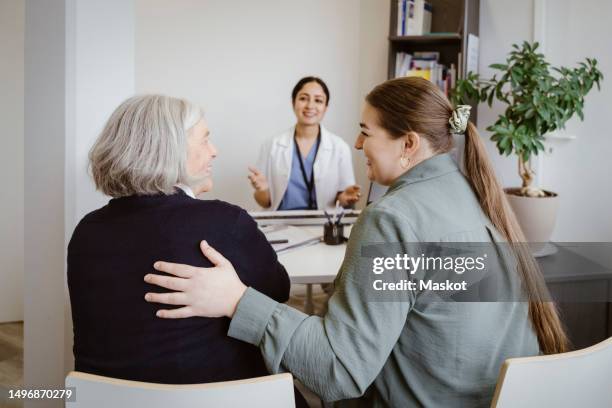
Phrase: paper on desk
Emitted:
{"points": [[297, 237]]}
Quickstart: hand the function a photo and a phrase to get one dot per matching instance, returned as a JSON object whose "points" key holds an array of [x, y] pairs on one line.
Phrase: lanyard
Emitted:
{"points": [[309, 183]]}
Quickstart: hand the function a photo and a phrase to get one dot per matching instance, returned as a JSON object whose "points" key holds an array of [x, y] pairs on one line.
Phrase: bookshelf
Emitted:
{"points": [[451, 22]]}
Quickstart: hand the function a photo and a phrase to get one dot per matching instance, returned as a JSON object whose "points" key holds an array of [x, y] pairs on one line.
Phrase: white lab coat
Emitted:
{"points": [[333, 167]]}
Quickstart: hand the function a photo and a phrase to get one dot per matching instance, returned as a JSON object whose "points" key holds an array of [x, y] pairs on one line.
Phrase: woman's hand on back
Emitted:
{"points": [[205, 292]]}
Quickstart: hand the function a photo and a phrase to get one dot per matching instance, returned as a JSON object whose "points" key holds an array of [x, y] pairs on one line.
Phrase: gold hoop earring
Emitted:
{"points": [[405, 162]]}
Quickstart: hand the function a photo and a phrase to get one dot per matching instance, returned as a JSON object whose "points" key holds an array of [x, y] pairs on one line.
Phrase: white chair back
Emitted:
{"points": [[93, 391], [581, 378]]}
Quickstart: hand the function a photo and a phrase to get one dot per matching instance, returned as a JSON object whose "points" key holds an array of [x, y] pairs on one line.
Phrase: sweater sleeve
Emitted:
{"points": [[339, 355], [256, 263]]}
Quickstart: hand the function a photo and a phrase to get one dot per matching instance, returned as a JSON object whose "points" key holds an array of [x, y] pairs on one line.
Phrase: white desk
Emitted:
{"points": [[317, 263], [314, 264]]}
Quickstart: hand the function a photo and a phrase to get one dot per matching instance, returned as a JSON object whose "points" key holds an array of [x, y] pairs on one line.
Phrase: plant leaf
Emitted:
{"points": [[501, 67]]}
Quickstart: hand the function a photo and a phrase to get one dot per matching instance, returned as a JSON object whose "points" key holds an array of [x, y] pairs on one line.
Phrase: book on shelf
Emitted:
{"points": [[427, 55], [427, 15], [426, 65], [413, 17], [401, 13]]}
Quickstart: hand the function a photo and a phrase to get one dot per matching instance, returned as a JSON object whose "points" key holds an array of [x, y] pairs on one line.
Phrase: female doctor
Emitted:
{"points": [[307, 167]]}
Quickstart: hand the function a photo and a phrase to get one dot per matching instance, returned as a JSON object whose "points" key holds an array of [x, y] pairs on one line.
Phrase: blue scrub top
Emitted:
{"points": [[296, 195]]}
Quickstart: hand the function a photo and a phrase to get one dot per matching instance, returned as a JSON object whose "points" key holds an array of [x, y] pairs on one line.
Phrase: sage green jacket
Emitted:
{"points": [[398, 352]]}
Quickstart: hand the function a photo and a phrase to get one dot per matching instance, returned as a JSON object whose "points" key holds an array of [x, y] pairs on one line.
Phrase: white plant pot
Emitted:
{"points": [[536, 216]]}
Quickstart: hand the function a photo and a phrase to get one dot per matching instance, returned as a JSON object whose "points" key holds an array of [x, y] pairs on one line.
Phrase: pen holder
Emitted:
{"points": [[333, 234]]}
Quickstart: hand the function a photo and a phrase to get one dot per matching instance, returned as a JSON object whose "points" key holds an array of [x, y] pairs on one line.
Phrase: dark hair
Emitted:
{"points": [[416, 105], [298, 87]]}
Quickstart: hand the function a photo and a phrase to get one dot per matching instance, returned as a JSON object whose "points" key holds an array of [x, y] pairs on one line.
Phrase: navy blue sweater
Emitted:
{"points": [[116, 332]]}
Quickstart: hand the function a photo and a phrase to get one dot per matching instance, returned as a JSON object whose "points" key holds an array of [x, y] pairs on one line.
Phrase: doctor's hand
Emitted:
{"points": [[258, 180], [206, 292], [349, 196]]}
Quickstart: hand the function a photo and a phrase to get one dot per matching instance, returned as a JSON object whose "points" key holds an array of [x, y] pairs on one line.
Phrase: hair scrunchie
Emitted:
{"points": [[459, 119]]}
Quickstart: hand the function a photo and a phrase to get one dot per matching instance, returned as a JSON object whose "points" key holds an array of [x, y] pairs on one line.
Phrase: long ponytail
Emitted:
{"points": [[492, 199], [415, 104]]}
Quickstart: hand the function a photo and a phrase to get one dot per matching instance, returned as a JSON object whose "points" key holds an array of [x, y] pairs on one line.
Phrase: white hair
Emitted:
{"points": [[143, 147]]}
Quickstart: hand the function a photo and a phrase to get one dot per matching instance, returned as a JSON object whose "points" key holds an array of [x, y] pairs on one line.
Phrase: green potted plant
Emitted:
{"points": [[539, 99]]}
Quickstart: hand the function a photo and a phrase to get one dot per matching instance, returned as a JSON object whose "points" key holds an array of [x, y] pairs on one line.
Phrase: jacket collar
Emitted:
{"points": [[184, 188], [286, 140], [433, 167]]}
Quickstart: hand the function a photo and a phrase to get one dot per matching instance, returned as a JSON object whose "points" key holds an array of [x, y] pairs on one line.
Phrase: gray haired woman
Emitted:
{"points": [[153, 157]]}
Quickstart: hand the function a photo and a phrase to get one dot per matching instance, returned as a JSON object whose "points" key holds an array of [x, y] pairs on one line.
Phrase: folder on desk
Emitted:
{"points": [[296, 237]]}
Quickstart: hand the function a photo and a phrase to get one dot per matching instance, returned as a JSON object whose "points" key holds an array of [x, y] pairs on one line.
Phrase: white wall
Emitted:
{"points": [[11, 159], [240, 59], [102, 77], [579, 170]]}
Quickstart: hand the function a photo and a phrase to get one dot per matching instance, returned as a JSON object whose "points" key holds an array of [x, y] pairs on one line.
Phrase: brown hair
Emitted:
{"points": [[306, 80], [416, 105]]}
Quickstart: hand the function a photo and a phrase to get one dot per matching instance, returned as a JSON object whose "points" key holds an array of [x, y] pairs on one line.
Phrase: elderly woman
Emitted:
{"points": [[153, 157]]}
